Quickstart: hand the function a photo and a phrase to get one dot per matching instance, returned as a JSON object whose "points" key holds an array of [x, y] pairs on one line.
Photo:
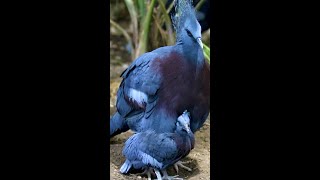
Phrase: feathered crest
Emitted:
{"points": [[186, 113], [183, 8]]}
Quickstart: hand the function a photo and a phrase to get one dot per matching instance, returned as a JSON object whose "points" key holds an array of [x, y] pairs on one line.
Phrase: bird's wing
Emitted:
{"points": [[158, 149], [138, 90], [151, 148]]}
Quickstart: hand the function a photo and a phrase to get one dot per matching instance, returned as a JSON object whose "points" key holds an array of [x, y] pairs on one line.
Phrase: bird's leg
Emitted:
{"points": [[158, 174], [149, 175], [180, 163], [165, 176], [147, 172]]}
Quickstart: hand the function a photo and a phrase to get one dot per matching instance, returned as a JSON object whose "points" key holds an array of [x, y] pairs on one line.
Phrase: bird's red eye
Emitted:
{"points": [[189, 33]]}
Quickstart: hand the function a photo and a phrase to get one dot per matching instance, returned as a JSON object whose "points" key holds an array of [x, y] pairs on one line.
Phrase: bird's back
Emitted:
{"points": [[156, 150]]}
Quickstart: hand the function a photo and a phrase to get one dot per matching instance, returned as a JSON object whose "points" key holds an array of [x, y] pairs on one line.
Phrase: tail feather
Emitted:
{"points": [[125, 167], [117, 125]]}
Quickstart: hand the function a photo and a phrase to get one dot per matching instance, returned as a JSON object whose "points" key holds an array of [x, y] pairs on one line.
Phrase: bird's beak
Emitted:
{"points": [[200, 42], [187, 128]]}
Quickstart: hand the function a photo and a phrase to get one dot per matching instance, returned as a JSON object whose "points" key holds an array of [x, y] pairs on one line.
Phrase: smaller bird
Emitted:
{"points": [[149, 150]]}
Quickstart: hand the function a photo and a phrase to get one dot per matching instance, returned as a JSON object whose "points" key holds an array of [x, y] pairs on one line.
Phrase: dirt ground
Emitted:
{"points": [[199, 157]]}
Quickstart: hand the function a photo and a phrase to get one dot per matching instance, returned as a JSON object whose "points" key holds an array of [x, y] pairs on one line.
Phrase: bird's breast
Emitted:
{"points": [[180, 87]]}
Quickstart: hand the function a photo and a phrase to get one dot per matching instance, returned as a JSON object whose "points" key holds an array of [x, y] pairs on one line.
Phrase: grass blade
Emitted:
{"points": [[134, 19], [200, 3], [168, 23], [145, 30], [125, 34], [142, 9], [206, 52]]}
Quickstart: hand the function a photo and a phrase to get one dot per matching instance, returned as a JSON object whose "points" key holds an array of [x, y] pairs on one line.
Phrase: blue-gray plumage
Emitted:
{"points": [[161, 84], [149, 149]]}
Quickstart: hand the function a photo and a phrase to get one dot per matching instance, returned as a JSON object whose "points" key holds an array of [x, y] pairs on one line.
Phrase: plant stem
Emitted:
{"points": [[170, 7], [142, 9], [134, 18], [146, 27], [200, 3], [125, 34], [206, 52], [170, 40]]}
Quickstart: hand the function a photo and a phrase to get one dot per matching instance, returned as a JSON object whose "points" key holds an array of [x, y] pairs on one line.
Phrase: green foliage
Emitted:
{"points": [[206, 52], [144, 32]]}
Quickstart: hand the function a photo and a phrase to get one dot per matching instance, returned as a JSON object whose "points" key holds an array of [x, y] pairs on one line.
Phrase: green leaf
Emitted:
{"points": [[206, 52]]}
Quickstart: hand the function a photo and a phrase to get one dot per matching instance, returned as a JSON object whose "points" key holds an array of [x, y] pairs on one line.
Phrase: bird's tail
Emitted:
{"points": [[125, 167], [117, 125]]}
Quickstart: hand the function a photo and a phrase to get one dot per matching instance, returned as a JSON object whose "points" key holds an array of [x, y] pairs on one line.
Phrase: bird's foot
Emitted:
{"points": [[148, 172], [180, 163], [158, 174], [165, 176]]}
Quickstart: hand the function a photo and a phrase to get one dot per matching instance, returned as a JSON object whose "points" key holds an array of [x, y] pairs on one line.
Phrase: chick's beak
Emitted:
{"points": [[187, 127], [200, 42]]}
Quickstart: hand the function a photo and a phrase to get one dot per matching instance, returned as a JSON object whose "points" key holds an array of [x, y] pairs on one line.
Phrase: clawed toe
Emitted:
{"points": [[172, 178], [148, 172], [180, 163], [165, 176]]}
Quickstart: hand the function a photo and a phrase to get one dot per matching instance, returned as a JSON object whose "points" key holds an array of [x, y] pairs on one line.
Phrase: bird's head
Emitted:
{"points": [[183, 122], [186, 24]]}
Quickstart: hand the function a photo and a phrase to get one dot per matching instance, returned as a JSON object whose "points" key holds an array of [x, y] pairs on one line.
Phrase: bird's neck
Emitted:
{"points": [[193, 53], [186, 138], [183, 133]]}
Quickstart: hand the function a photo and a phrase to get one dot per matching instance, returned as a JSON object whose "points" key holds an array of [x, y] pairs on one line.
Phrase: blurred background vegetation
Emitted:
{"points": [[136, 27], [145, 25]]}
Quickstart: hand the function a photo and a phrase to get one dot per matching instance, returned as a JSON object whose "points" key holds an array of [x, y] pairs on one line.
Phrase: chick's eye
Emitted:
{"points": [[188, 32]]}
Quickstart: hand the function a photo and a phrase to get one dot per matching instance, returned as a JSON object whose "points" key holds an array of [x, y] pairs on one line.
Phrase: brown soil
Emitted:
{"points": [[199, 157]]}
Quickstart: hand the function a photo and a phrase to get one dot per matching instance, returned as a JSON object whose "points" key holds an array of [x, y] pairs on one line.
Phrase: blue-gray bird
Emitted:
{"points": [[159, 85], [156, 151]]}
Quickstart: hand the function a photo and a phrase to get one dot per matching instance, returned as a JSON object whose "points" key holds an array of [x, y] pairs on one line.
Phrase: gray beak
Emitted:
{"points": [[187, 127], [200, 42]]}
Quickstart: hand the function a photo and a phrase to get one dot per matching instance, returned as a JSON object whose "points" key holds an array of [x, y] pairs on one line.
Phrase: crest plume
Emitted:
{"points": [[183, 9]]}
